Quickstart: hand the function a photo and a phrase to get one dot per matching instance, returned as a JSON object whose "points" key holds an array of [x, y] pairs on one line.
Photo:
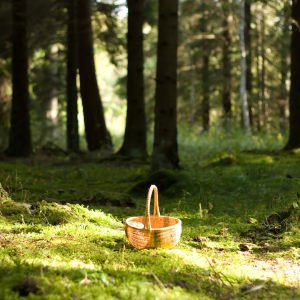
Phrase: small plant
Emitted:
{"points": [[200, 211]]}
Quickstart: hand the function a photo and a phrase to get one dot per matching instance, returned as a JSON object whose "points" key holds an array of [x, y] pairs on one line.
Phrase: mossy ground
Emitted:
{"points": [[75, 252]]}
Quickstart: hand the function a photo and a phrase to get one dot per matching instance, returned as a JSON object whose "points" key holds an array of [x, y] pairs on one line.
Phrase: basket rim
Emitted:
{"points": [[153, 229]]}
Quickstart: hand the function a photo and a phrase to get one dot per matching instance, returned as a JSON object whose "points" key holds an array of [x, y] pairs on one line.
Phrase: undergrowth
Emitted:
{"points": [[239, 209]]}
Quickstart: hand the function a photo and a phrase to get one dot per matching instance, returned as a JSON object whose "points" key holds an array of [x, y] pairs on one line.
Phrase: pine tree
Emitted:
{"points": [[165, 149], [72, 109], [20, 134], [97, 135], [294, 136], [134, 145]]}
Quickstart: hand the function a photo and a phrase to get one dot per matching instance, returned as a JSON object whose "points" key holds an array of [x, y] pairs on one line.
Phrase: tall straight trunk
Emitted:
{"points": [[282, 103], [205, 101], [265, 108], [72, 60], [20, 135], [48, 113], [97, 135], [192, 77], [165, 149], [134, 145], [52, 114], [205, 76], [192, 93], [258, 76], [294, 103], [243, 71], [226, 94], [249, 76]]}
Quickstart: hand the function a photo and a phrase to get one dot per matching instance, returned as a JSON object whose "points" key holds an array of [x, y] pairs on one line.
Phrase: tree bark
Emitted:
{"points": [[249, 76], [52, 113], [258, 76], [243, 71], [294, 103], [72, 60], [265, 106], [134, 145], [226, 94], [282, 102], [205, 80], [165, 149], [20, 134], [192, 74], [97, 135], [205, 76]]}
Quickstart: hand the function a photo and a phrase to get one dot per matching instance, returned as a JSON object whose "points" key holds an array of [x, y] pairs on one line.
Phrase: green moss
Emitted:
{"points": [[74, 252], [221, 160]]}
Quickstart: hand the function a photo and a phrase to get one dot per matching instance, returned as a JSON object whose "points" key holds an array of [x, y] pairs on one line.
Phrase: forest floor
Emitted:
{"points": [[240, 215]]}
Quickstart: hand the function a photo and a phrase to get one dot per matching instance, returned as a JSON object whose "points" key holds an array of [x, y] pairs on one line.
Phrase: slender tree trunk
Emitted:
{"points": [[205, 101], [97, 135], [294, 136], [205, 76], [72, 60], [134, 145], [20, 134], [249, 76], [258, 76], [265, 108], [243, 71], [52, 114], [282, 103], [226, 94], [192, 95], [192, 77], [165, 149]]}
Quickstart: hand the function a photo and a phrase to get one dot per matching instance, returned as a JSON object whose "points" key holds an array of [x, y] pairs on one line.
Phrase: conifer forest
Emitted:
{"points": [[149, 149]]}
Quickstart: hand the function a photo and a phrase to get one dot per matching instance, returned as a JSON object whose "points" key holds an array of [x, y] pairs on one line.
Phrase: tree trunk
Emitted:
{"points": [[258, 76], [97, 135], [248, 58], [53, 104], [134, 145], [165, 149], [205, 101], [226, 94], [243, 71], [192, 78], [265, 108], [294, 103], [282, 103], [72, 60], [20, 134], [205, 76]]}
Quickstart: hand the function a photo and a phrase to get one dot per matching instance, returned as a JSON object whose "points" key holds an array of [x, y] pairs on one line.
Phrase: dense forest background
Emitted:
{"points": [[210, 72]]}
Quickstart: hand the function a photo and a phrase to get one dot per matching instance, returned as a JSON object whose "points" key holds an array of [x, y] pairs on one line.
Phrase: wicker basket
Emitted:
{"points": [[147, 231]]}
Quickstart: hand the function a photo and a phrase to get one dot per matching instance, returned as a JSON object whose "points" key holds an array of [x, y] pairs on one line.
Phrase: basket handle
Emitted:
{"points": [[147, 224]]}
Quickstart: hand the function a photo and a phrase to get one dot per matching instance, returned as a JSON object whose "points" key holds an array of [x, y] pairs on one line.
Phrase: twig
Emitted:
{"points": [[157, 280], [214, 270]]}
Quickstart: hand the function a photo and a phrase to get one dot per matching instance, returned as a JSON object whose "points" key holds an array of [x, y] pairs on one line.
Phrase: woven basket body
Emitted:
{"points": [[155, 231]]}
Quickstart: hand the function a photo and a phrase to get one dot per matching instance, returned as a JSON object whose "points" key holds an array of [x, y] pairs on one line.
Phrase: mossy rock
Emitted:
{"points": [[11, 208], [224, 160], [163, 179], [54, 213], [39, 213]]}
